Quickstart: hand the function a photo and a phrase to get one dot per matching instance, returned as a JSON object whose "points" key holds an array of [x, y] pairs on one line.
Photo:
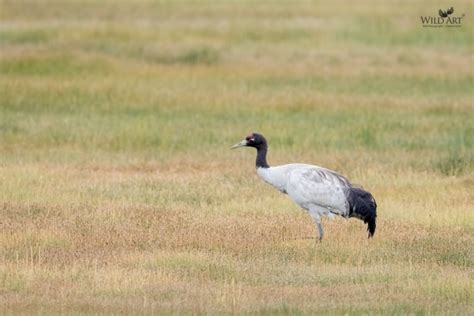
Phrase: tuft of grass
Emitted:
{"points": [[454, 163], [457, 159], [197, 56]]}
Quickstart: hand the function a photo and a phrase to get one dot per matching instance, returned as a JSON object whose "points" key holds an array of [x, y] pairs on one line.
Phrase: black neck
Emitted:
{"points": [[262, 157]]}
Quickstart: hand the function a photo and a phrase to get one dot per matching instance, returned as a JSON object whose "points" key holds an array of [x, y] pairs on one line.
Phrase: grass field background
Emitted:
{"points": [[118, 191]]}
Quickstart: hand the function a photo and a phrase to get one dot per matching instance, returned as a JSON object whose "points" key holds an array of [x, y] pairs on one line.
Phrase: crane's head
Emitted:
{"points": [[252, 140]]}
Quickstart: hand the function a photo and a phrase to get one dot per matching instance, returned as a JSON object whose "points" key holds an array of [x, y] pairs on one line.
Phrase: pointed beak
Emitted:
{"points": [[241, 144]]}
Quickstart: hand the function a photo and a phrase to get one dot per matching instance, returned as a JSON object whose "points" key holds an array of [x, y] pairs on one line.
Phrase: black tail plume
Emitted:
{"points": [[363, 206]]}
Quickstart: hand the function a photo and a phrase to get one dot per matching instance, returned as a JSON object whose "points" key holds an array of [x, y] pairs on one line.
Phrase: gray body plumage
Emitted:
{"points": [[315, 189]]}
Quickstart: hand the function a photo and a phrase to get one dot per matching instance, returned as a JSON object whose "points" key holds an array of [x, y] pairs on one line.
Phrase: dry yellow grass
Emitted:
{"points": [[118, 193], [160, 237]]}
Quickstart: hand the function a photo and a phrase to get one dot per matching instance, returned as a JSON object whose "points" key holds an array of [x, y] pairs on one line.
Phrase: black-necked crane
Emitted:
{"points": [[320, 191]]}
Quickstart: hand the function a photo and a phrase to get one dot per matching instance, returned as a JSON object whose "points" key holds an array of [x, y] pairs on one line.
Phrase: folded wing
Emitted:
{"points": [[313, 185]]}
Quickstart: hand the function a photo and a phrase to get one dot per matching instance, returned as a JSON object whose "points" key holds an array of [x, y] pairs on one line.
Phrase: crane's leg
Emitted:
{"points": [[317, 221], [321, 231]]}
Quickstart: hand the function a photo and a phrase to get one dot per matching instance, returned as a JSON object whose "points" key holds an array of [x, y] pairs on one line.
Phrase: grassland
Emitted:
{"points": [[118, 193]]}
